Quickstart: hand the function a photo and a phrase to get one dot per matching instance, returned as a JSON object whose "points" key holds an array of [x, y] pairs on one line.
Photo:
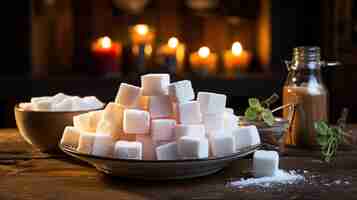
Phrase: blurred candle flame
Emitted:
{"points": [[173, 42], [142, 29], [105, 42], [237, 48], [204, 52]]}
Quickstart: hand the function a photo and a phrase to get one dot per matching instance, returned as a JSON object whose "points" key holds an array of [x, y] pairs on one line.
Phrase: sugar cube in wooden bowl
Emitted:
{"points": [[42, 125]]}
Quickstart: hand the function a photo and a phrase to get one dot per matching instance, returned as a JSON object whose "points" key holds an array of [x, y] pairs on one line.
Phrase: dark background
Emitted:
{"points": [[328, 24]]}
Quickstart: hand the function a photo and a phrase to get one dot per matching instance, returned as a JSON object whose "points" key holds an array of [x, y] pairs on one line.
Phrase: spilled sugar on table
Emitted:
{"points": [[26, 173]]}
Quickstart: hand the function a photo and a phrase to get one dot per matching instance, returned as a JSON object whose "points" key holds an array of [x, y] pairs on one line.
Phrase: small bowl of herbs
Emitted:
{"points": [[270, 127]]}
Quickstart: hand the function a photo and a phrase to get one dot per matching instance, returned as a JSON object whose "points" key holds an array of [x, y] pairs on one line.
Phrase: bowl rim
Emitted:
{"points": [[18, 108], [239, 153]]}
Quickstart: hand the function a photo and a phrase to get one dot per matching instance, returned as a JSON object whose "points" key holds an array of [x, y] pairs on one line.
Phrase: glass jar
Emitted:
{"points": [[304, 88]]}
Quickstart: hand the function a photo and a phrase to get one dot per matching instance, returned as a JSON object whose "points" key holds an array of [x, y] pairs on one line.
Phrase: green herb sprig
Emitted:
{"points": [[328, 138], [260, 111]]}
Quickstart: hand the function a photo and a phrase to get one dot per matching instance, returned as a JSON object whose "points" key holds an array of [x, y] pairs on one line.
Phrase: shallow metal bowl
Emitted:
{"points": [[158, 169]]}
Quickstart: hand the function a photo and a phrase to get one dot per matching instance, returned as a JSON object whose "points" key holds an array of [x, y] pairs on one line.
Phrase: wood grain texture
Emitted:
{"points": [[55, 177]]}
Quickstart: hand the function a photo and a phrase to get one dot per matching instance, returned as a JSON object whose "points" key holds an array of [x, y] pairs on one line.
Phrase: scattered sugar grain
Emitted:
{"points": [[281, 177]]}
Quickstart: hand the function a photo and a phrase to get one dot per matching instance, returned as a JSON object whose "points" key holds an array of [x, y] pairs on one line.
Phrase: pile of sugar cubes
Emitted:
{"points": [[160, 121], [62, 102]]}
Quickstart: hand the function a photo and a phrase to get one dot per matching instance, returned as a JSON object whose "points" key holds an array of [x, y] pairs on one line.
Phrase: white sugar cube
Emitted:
{"points": [[230, 122], [265, 163], [181, 91], [148, 146], [65, 105], [189, 113], [229, 110], [167, 151], [155, 84], [37, 99], [26, 106], [128, 150], [160, 107], [59, 97], [136, 121], [222, 145], [212, 103], [163, 129], [246, 136], [86, 122], [111, 122], [192, 147], [85, 142], [70, 136], [103, 145], [213, 122], [90, 102], [127, 95], [142, 102], [43, 105], [194, 130]]}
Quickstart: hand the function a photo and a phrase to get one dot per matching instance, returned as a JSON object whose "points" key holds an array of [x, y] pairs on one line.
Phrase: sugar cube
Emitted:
{"points": [[155, 84], [148, 146], [212, 103], [230, 122], [37, 99], [181, 91], [70, 136], [128, 150], [85, 142], [42, 105], [26, 106], [189, 113], [192, 147], [222, 145], [65, 105], [111, 121], [143, 102], [103, 145], [160, 107], [167, 151], [136, 121], [246, 136], [91, 102], [229, 110], [265, 163], [213, 121], [127, 95], [163, 129], [194, 130], [85, 122], [58, 98]]}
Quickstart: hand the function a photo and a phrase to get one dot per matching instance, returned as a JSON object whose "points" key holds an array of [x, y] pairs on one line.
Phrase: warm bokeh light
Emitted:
{"points": [[142, 29], [204, 52], [237, 48], [173, 42], [105, 42], [148, 50]]}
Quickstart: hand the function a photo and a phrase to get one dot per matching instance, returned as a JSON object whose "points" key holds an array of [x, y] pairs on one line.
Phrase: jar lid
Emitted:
{"points": [[307, 57]]}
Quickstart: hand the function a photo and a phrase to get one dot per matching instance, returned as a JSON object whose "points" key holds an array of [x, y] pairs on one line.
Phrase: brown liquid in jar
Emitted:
{"points": [[311, 107]]}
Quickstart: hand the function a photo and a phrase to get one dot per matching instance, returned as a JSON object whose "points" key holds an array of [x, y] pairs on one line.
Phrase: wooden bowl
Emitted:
{"points": [[44, 129], [158, 169]]}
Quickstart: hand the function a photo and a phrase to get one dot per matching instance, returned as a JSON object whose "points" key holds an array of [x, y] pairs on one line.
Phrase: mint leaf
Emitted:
{"points": [[251, 114], [268, 117], [321, 127], [254, 103]]}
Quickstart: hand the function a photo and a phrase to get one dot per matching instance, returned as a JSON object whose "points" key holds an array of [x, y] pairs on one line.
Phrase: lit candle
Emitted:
{"points": [[236, 58], [204, 60], [106, 53], [141, 34], [172, 54]]}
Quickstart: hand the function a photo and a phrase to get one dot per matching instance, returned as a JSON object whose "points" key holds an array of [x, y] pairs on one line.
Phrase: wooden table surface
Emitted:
{"points": [[26, 173]]}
